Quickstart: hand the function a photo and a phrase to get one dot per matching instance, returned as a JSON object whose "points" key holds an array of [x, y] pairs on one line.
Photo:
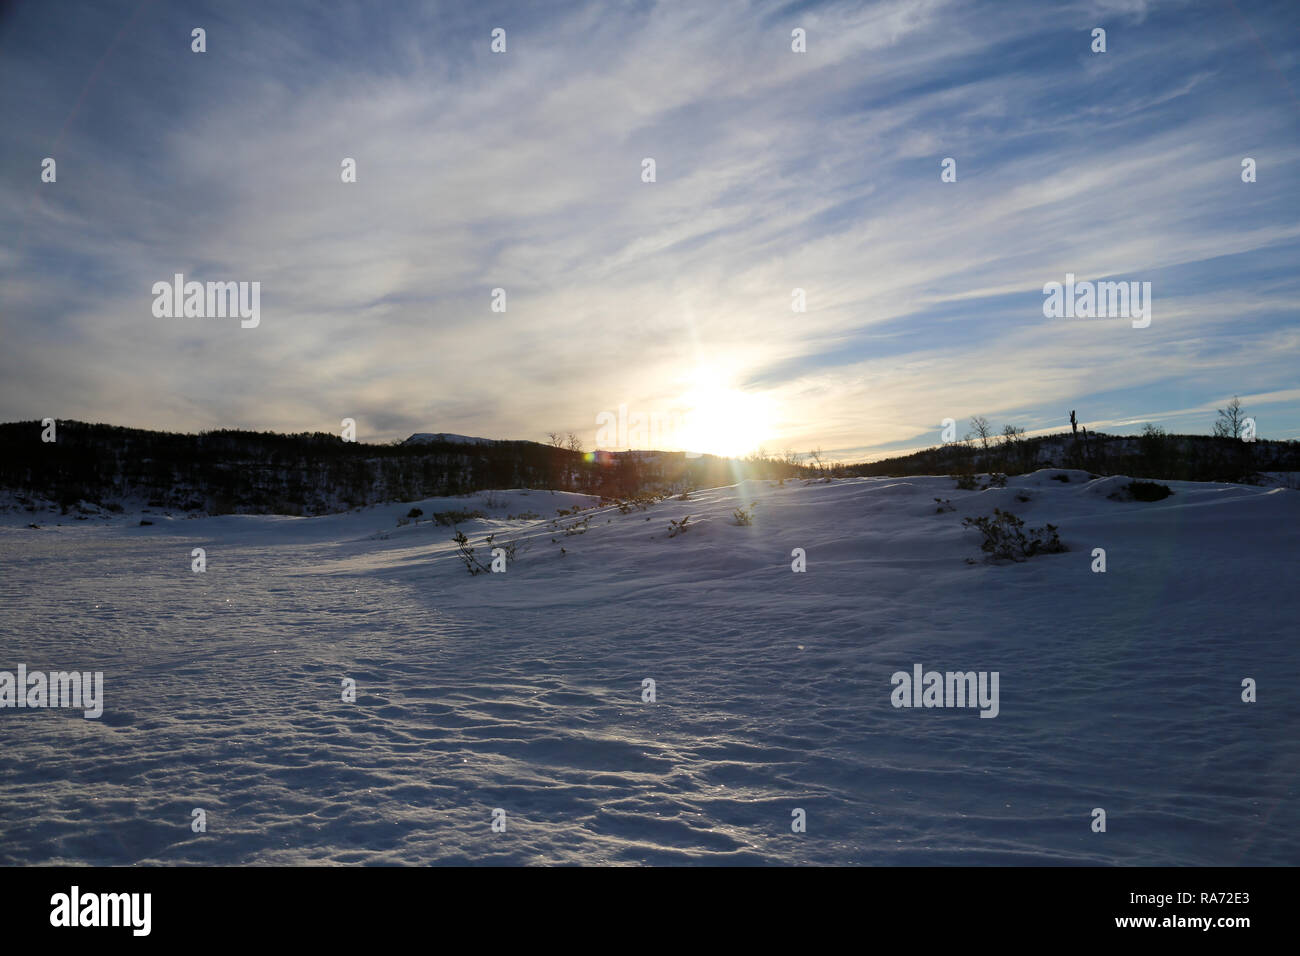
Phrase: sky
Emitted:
{"points": [[774, 170]]}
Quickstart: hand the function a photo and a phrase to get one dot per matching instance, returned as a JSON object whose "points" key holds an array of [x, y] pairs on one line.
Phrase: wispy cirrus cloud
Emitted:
{"points": [[776, 170]]}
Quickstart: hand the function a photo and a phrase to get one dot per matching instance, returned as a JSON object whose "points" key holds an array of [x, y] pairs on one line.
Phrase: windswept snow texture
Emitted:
{"points": [[522, 690]]}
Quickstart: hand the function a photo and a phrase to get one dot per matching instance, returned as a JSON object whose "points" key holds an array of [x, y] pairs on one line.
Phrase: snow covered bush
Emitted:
{"points": [[509, 547], [744, 516], [1147, 491], [576, 527], [465, 552], [1005, 538], [640, 502], [449, 518]]}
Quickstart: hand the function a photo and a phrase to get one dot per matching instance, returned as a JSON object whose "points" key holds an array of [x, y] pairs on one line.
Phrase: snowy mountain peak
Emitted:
{"points": [[424, 438]]}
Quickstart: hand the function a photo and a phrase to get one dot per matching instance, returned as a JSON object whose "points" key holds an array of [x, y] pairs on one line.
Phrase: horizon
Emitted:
{"points": [[804, 458], [500, 217]]}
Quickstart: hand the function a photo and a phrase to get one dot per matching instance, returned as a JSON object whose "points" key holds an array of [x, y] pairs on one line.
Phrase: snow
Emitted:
{"points": [[421, 438], [522, 690]]}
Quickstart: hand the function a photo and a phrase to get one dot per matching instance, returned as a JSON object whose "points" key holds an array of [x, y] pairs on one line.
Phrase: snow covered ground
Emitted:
{"points": [[523, 691]]}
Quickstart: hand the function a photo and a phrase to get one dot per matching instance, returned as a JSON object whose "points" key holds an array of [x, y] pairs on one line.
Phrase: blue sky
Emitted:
{"points": [[775, 170]]}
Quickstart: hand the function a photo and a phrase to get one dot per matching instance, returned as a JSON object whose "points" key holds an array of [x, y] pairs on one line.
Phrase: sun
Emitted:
{"points": [[721, 420]]}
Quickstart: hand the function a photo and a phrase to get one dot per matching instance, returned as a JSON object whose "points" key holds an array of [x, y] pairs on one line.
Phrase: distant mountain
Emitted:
{"points": [[425, 438]]}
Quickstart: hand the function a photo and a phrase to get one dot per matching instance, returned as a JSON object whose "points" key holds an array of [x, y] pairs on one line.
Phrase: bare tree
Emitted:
{"points": [[816, 456], [1231, 420], [574, 443], [981, 430], [555, 439]]}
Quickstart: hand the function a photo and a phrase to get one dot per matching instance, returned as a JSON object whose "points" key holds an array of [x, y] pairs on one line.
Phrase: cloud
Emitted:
{"points": [[522, 171]]}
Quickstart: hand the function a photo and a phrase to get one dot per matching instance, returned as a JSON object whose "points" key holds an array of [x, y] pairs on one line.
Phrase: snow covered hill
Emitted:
{"points": [[774, 689], [424, 438]]}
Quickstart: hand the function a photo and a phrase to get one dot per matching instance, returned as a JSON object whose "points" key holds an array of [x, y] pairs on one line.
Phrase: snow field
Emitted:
{"points": [[523, 690]]}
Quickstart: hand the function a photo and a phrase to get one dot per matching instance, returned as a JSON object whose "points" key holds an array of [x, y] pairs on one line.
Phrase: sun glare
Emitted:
{"points": [[721, 420]]}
